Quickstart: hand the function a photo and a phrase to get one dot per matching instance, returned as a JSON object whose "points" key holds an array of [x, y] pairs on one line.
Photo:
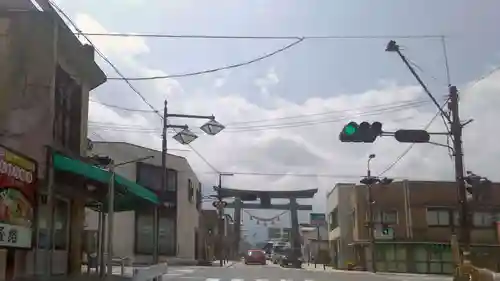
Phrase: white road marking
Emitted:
{"points": [[237, 279], [184, 270], [261, 279], [212, 279]]}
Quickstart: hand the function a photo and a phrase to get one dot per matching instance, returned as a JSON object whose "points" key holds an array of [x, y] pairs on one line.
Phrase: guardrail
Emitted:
{"points": [[151, 272]]}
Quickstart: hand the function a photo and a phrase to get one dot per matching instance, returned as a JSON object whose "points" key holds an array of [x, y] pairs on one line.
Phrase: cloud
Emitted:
{"points": [[278, 135]]}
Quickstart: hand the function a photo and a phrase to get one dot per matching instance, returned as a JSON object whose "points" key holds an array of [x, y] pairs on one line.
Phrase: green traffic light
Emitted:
{"points": [[350, 130]]}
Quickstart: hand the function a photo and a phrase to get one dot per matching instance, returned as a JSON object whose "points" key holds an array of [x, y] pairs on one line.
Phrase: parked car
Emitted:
{"points": [[278, 251], [255, 257]]}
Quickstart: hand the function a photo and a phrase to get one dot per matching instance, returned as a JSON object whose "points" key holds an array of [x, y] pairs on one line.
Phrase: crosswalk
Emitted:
{"points": [[253, 279]]}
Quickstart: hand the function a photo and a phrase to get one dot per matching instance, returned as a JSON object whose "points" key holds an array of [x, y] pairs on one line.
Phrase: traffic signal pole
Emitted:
{"points": [[371, 225], [456, 133]]}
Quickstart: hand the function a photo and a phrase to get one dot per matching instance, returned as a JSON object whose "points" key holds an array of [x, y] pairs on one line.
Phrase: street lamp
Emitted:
{"points": [[212, 127], [185, 136], [368, 172]]}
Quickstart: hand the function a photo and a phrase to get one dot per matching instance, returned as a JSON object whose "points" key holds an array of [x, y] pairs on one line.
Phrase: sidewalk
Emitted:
{"points": [[227, 264], [319, 267]]}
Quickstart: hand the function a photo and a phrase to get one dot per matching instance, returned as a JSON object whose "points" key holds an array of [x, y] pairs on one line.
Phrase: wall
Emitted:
{"points": [[31, 46], [342, 236], [187, 214], [412, 224]]}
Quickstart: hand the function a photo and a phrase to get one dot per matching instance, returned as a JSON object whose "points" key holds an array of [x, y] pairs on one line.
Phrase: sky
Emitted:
{"points": [[283, 114]]}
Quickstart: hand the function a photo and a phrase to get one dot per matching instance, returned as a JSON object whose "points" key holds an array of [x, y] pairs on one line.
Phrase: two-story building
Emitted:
{"points": [[179, 218], [340, 224], [413, 224], [45, 78]]}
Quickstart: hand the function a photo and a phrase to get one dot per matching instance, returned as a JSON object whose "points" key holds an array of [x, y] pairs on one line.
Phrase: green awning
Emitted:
{"points": [[66, 164]]}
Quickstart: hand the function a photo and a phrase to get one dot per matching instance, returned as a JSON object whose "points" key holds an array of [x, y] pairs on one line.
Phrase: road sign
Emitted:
{"points": [[317, 219]]}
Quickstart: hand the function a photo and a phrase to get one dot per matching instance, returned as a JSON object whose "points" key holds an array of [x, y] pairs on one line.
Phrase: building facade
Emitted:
{"points": [[340, 224], [179, 218], [413, 224], [44, 86]]}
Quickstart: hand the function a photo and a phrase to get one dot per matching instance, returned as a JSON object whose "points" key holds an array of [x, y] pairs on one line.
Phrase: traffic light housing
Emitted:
{"points": [[412, 136], [364, 132]]}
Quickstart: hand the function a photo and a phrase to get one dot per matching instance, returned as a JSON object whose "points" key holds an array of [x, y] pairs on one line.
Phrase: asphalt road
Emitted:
{"points": [[242, 272]]}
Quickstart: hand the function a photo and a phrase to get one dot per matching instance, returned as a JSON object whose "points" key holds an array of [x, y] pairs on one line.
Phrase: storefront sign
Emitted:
{"points": [[18, 176], [15, 236]]}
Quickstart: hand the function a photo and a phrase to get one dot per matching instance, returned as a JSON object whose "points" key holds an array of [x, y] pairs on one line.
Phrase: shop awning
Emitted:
{"points": [[132, 190]]}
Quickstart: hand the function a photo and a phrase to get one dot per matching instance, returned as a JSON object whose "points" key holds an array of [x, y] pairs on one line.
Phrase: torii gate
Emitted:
{"points": [[265, 203]]}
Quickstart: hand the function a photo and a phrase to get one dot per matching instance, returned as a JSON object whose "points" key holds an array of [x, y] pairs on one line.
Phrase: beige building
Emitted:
{"points": [[179, 218]]}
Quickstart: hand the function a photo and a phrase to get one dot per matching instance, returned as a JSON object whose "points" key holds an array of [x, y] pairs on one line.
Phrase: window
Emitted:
{"points": [[150, 176], [144, 233], [198, 197], [67, 116], [438, 217], [385, 217], [190, 191], [333, 221], [482, 219]]}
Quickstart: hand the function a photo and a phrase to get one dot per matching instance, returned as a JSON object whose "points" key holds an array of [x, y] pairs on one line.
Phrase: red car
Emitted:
{"points": [[255, 257]]}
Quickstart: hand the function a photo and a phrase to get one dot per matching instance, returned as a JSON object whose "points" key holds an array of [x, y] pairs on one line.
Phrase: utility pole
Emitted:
{"points": [[163, 182], [111, 215], [220, 207], [371, 225], [456, 132]]}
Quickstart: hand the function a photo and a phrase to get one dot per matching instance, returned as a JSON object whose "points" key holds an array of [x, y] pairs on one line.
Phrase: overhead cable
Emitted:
{"points": [[212, 70], [124, 78], [236, 37]]}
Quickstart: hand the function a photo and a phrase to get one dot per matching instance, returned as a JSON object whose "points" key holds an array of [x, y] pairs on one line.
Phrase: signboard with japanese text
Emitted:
{"points": [[18, 175], [317, 219]]}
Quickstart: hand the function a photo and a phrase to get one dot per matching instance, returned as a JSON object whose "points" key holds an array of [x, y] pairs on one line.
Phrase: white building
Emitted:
{"points": [[133, 230], [340, 224]]}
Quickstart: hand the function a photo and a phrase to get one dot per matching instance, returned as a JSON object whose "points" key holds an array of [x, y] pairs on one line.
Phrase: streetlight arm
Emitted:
{"points": [[133, 161], [210, 117], [176, 126]]}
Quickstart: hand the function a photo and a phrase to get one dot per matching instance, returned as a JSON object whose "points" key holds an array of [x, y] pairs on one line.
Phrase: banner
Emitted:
{"points": [[18, 176], [317, 219]]}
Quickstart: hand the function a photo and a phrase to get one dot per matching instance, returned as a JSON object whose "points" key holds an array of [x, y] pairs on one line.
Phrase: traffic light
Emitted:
{"points": [[369, 180], [412, 136], [479, 187], [386, 181], [364, 132]]}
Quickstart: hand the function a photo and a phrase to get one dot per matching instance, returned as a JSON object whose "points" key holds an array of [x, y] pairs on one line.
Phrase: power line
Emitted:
{"points": [[407, 150], [252, 128], [122, 108], [123, 77], [212, 70], [143, 98], [236, 37], [408, 102]]}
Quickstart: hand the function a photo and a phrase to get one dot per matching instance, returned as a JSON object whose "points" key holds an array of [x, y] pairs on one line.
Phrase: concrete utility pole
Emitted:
{"points": [[456, 132], [221, 224], [371, 225]]}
